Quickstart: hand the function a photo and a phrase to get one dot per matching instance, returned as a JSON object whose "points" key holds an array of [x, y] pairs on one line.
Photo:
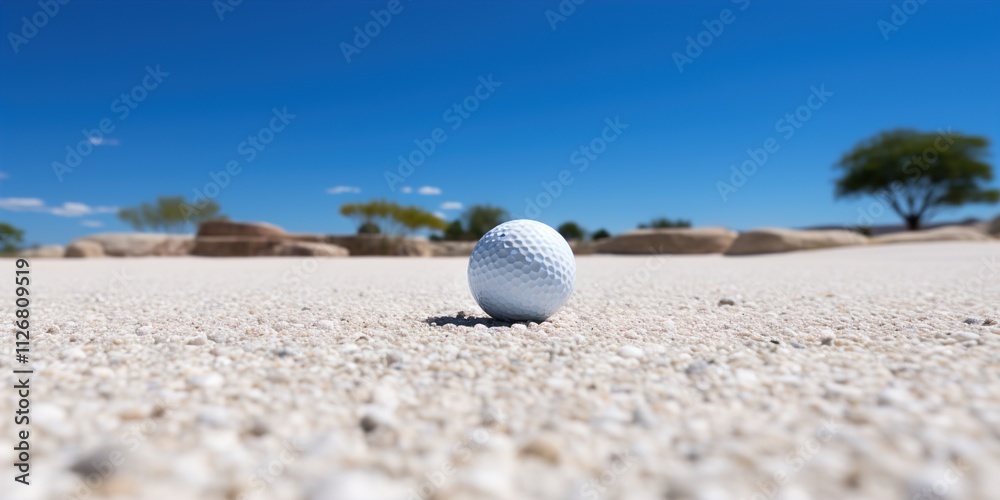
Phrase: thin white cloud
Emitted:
{"points": [[429, 191], [451, 205], [67, 209], [343, 190], [92, 223], [103, 141], [71, 209], [3, 175], [21, 204], [440, 215], [406, 189]]}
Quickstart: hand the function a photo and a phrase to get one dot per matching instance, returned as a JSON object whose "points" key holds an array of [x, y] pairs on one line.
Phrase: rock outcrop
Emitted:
{"points": [[668, 241], [946, 233], [774, 240], [46, 252], [84, 249], [142, 244]]}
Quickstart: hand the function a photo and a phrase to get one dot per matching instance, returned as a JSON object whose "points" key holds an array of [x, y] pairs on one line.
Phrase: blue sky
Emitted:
{"points": [[197, 87]]}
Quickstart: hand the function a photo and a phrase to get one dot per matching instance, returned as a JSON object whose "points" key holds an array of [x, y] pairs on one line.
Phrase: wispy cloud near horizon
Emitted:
{"points": [[343, 190], [451, 205], [67, 209], [429, 191], [21, 204], [103, 141]]}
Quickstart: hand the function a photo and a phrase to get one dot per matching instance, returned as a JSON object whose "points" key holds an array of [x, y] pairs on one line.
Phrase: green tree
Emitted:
{"points": [[479, 219], [383, 215], [665, 223], [414, 218], [455, 232], [918, 174], [571, 231], [169, 214], [600, 234], [10, 238]]}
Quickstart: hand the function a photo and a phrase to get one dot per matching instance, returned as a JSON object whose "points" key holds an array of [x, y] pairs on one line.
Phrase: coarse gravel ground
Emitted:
{"points": [[860, 372]]}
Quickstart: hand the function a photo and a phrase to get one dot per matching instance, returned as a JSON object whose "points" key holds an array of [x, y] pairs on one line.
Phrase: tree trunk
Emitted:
{"points": [[913, 222]]}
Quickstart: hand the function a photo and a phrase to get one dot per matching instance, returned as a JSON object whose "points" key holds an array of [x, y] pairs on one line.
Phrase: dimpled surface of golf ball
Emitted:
{"points": [[522, 270]]}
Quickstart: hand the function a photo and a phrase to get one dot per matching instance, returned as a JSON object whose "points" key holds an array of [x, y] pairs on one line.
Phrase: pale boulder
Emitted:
{"points": [[668, 241], [946, 233], [245, 229], [773, 240], [582, 247], [46, 252], [236, 246], [452, 248], [309, 249], [143, 244], [374, 244], [84, 249]]}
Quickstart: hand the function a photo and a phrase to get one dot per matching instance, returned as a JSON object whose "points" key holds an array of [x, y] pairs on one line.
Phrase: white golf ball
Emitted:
{"points": [[522, 270]]}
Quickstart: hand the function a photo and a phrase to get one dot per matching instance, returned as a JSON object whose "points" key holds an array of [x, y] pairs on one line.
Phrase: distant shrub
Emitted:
{"points": [[571, 231], [665, 223], [455, 232], [10, 238], [600, 234]]}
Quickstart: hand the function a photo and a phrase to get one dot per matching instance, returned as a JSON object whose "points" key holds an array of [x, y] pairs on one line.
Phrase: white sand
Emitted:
{"points": [[836, 374]]}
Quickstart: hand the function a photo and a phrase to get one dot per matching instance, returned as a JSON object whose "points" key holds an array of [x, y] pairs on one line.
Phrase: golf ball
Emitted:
{"points": [[522, 270]]}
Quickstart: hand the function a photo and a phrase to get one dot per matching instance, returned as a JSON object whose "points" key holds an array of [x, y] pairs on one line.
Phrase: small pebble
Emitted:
{"points": [[696, 368], [393, 357], [89, 464], [368, 423], [144, 330], [971, 321], [543, 448], [989, 322], [630, 351], [258, 428], [967, 336], [727, 302]]}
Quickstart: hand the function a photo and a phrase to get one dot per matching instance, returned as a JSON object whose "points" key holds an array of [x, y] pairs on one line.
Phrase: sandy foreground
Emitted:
{"points": [[857, 372]]}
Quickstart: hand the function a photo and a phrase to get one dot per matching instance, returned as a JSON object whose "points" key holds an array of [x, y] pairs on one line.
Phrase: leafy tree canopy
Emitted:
{"points": [[380, 215], [170, 214], [479, 219], [918, 174], [10, 238]]}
